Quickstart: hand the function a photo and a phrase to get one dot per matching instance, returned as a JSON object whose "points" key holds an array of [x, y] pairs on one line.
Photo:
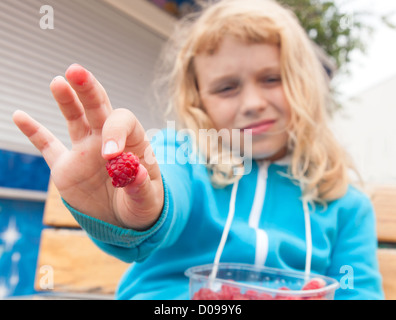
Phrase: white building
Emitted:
{"points": [[367, 128]]}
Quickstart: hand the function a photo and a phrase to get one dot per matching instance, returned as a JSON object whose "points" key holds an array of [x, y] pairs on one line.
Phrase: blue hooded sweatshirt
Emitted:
{"points": [[271, 227]]}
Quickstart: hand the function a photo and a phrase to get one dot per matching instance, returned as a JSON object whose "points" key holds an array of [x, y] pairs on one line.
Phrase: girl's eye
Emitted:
{"points": [[226, 89], [272, 80]]}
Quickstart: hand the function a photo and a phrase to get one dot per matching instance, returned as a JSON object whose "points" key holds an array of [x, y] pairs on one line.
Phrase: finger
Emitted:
{"points": [[138, 193], [144, 197], [71, 108], [122, 131], [91, 94], [49, 146], [118, 125]]}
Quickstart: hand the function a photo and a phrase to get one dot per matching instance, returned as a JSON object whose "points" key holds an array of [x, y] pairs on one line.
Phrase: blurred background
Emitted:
{"points": [[120, 41]]}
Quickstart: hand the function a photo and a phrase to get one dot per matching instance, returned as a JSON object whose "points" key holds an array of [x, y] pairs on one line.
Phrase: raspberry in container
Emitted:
{"points": [[235, 281]]}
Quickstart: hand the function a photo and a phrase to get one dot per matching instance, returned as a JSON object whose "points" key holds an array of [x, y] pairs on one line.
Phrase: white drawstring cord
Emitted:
{"points": [[227, 227], [308, 238], [224, 236]]}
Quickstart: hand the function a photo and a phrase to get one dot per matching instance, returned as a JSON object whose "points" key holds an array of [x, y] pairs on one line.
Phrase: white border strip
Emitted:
{"points": [[20, 194]]}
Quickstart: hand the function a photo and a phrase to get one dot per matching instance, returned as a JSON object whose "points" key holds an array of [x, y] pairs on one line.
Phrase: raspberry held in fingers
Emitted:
{"points": [[123, 169]]}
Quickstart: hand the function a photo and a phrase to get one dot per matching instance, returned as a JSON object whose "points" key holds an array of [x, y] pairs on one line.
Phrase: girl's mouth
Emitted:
{"points": [[259, 127]]}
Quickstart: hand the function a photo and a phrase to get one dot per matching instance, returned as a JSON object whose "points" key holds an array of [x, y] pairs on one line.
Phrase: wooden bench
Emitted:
{"points": [[384, 201], [70, 264]]}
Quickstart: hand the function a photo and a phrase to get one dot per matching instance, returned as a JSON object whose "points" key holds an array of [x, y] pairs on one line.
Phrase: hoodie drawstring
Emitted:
{"points": [[226, 230], [227, 227], [308, 238]]}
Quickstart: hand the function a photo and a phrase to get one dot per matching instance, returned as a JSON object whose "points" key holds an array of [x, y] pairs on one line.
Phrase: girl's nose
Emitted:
{"points": [[253, 100]]}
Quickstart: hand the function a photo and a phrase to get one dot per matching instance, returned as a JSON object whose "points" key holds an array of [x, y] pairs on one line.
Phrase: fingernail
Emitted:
{"points": [[75, 65], [110, 147], [57, 78]]}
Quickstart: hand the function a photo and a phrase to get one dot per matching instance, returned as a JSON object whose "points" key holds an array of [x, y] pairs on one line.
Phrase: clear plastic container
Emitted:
{"points": [[236, 281]]}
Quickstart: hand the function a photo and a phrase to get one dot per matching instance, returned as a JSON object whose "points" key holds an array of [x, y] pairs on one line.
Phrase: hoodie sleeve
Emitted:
{"points": [[130, 245], [354, 259]]}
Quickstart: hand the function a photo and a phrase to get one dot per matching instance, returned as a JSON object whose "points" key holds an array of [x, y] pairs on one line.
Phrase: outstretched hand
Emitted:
{"points": [[98, 133]]}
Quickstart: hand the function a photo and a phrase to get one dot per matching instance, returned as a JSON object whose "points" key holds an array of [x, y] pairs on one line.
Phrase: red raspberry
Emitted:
{"points": [[228, 292], [206, 294], [239, 296], [315, 283], [286, 297], [123, 169], [254, 295]]}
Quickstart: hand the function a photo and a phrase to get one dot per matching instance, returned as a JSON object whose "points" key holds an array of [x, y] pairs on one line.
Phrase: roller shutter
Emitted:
{"points": [[119, 50]]}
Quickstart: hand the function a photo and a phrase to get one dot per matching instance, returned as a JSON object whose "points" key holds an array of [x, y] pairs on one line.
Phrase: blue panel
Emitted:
{"points": [[23, 171], [20, 230]]}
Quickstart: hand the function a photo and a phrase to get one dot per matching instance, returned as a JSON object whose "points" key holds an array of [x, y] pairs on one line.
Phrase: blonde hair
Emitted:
{"points": [[319, 164]]}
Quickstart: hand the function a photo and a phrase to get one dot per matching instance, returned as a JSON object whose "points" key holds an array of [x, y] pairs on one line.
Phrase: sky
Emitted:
{"points": [[379, 62]]}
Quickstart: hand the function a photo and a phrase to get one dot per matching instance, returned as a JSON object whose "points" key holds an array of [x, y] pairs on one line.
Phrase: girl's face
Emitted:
{"points": [[241, 88]]}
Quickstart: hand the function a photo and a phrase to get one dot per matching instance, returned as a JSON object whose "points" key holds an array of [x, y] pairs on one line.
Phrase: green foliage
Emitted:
{"points": [[338, 33], [331, 29]]}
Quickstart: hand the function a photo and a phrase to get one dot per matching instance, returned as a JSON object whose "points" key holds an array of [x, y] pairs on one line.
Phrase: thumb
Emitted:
{"points": [[144, 197], [138, 187], [140, 203]]}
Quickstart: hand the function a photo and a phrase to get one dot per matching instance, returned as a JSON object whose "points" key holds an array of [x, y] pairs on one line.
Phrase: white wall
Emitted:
{"points": [[367, 128]]}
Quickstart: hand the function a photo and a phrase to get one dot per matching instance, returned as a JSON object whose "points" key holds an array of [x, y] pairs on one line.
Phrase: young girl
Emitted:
{"points": [[243, 66]]}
